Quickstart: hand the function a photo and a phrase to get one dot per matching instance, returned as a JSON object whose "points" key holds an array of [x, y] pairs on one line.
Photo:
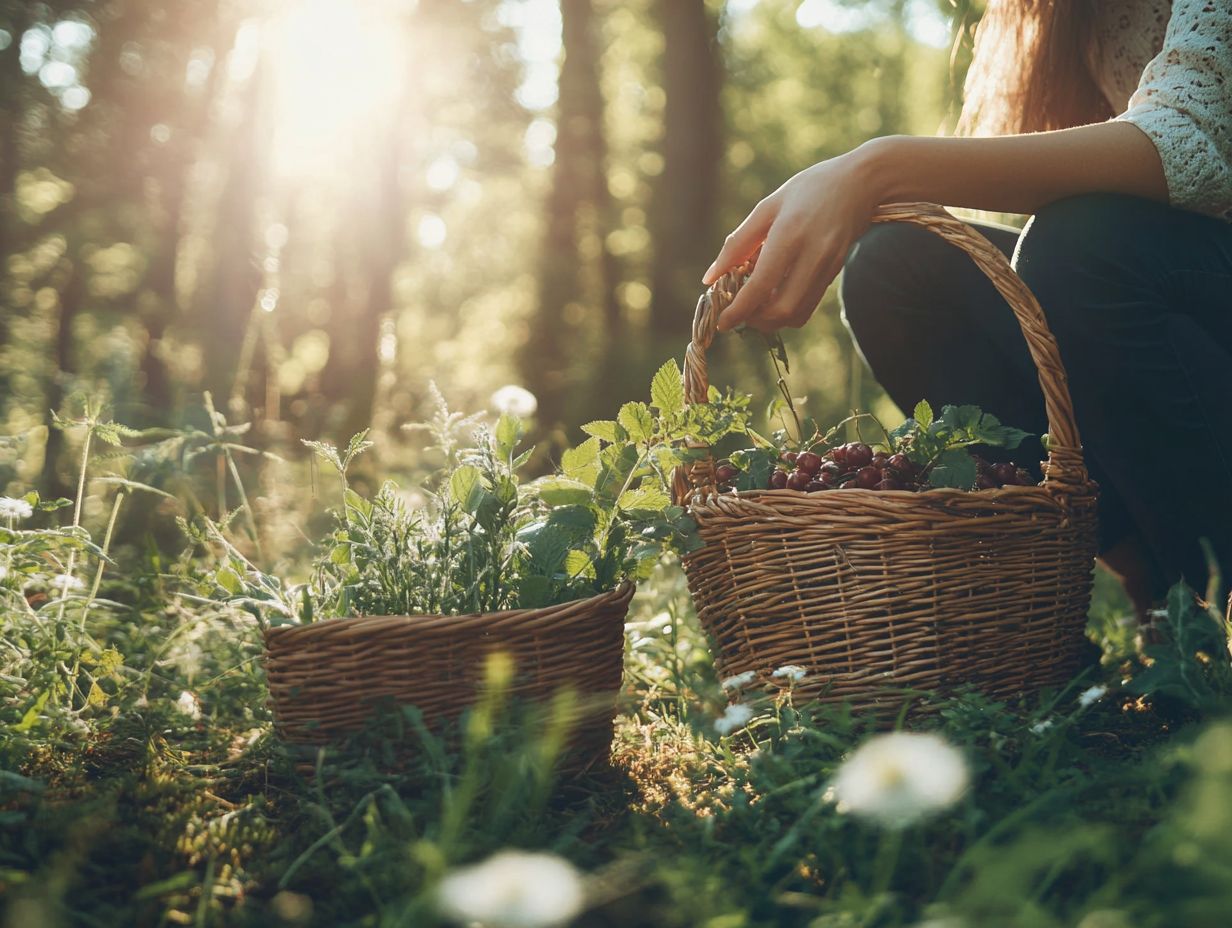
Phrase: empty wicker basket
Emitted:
{"points": [[878, 593], [327, 679]]}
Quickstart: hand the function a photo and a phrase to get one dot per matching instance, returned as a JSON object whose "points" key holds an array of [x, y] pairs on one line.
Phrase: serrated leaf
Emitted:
{"points": [[579, 564], [578, 522], [637, 419], [561, 491], [923, 414], [616, 463], [606, 429], [667, 389], [644, 499], [954, 468], [582, 463]]}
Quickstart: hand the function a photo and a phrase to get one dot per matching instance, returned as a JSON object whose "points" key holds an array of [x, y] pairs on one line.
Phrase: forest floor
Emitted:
{"points": [[1107, 804]]}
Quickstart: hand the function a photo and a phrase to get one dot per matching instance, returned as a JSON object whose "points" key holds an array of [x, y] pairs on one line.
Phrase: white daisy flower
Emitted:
{"points": [[515, 401], [11, 508], [733, 717], [189, 705], [793, 673], [1092, 695], [899, 778], [738, 680], [513, 889], [1040, 727]]}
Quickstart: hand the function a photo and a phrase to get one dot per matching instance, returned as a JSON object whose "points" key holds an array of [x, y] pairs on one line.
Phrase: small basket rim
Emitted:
{"points": [[437, 623]]}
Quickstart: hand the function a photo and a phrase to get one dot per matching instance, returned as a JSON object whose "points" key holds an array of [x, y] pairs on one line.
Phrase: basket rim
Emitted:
{"points": [[355, 625]]}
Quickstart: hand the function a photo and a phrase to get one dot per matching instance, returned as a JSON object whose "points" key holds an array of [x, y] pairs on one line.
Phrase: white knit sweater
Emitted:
{"points": [[1167, 68]]}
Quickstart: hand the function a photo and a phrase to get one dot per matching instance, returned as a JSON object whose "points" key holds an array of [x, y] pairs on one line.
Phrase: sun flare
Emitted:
{"points": [[336, 69]]}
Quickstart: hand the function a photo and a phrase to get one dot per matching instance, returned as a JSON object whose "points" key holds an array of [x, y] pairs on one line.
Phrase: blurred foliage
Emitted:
{"points": [[312, 208]]}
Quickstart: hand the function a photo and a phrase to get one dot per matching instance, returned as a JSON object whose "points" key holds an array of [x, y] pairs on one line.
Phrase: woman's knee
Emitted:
{"points": [[1078, 254], [878, 272]]}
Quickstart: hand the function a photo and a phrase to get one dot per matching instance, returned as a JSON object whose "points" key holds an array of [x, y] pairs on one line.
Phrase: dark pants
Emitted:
{"points": [[1139, 297]]}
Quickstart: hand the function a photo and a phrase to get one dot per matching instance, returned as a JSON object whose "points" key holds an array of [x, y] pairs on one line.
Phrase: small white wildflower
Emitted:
{"points": [[1089, 697], [513, 889], [900, 778], [514, 400], [189, 705], [1040, 727], [67, 582], [11, 508], [733, 717], [793, 673], [738, 680]]}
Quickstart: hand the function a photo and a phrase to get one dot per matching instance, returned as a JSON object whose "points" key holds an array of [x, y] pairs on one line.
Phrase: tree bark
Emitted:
{"points": [[544, 359], [682, 221]]}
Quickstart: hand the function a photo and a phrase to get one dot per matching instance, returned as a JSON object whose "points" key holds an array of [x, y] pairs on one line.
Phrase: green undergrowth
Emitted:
{"points": [[141, 782], [171, 802]]}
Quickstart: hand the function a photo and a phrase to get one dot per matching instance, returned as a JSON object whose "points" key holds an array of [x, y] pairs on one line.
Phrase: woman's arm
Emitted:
{"points": [[809, 224]]}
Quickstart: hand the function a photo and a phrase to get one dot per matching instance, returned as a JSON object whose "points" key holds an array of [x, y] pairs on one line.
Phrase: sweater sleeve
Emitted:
{"points": [[1184, 105]]}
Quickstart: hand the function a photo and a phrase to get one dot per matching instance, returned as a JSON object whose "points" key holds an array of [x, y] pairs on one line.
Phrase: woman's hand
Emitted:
{"points": [[805, 229]]}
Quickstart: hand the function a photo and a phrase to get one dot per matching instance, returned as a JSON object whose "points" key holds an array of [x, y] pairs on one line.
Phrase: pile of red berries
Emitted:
{"points": [[857, 466], [994, 476], [851, 466]]}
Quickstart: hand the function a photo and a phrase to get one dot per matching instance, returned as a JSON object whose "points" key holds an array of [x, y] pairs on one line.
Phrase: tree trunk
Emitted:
{"points": [[684, 210], [545, 357], [227, 302]]}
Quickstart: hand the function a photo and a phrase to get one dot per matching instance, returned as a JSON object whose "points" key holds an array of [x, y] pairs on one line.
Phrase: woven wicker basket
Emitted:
{"points": [[327, 679], [878, 593]]}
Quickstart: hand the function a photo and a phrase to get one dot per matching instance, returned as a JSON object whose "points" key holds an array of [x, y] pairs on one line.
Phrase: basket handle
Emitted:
{"points": [[1064, 469]]}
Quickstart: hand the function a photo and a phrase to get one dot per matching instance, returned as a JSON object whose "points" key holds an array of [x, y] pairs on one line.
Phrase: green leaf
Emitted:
{"points": [[637, 420], [954, 468], [923, 414], [577, 522], [606, 430], [756, 465], [561, 491], [229, 580], [616, 463], [508, 433], [466, 487], [644, 499], [579, 564], [667, 389], [582, 463]]}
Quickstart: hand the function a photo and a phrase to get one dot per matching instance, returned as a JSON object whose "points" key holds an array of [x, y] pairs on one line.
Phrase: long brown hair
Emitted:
{"points": [[1030, 70]]}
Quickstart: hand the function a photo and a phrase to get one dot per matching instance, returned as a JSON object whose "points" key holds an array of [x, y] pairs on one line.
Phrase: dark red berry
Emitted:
{"points": [[859, 455], [1024, 477], [798, 480], [778, 480], [809, 462], [986, 482], [900, 463], [868, 477], [890, 483], [1006, 473], [838, 456], [849, 485], [789, 457], [726, 472], [815, 486]]}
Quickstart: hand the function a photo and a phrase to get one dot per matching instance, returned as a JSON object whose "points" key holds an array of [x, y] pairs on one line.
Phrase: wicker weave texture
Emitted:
{"points": [[876, 593], [327, 679]]}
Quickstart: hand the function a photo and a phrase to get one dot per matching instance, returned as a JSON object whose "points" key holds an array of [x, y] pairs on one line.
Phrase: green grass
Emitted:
{"points": [[130, 811]]}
